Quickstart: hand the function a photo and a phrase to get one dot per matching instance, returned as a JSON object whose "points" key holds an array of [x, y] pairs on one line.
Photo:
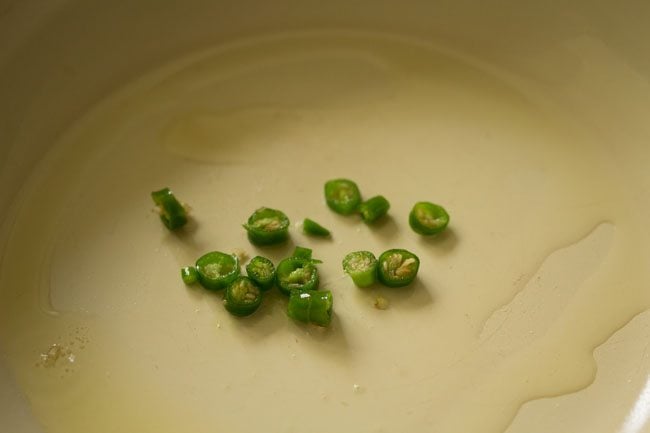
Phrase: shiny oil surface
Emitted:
{"points": [[542, 262]]}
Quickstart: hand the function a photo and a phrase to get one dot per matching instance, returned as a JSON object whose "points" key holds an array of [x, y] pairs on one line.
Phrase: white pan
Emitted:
{"points": [[527, 120]]}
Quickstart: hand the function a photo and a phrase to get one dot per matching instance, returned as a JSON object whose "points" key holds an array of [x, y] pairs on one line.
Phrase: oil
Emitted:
{"points": [[541, 264]]}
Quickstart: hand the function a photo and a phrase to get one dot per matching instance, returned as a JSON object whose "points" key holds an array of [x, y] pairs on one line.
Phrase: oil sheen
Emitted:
{"points": [[542, 261]]}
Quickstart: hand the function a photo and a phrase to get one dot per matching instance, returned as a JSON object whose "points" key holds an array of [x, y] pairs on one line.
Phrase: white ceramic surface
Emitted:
{"points": [[527, 120]]}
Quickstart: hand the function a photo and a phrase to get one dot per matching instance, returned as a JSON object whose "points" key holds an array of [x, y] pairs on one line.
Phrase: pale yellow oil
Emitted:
{"points": [[542, 262]]}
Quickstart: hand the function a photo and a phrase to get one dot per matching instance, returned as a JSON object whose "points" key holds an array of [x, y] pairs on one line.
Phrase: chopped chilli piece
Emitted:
{"points": [[342, 196], [261, 271], [361, 266], [397, 267], [267, 226], [312, 228], [243, 297], [302, 252], [373, 209], [172, 213], [189, 275], [295, 273], [428, 218], [311, 306], [216, 270]]}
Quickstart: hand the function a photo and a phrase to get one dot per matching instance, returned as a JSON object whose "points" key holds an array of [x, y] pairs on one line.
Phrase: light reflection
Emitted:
{"points": [[638, 417]]}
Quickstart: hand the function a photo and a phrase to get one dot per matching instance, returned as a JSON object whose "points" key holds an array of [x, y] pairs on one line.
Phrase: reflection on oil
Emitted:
{"points": [[637, 419], [265, 123]]}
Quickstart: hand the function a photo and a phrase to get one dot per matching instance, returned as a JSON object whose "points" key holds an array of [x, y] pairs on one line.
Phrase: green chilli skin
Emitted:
{"points": [[311, 306], [374, 208], [267, 226], [306, 254], [302, 253], [243, 297], [295, 273], [312, 228], [262, 271], [361, 266], [428, 218], [342, 196], [216, 270], [397, 268], [189, 275], [172, 213]]}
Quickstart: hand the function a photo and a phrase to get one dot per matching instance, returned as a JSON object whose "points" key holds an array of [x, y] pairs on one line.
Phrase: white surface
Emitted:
{"points": [[125, 321]]}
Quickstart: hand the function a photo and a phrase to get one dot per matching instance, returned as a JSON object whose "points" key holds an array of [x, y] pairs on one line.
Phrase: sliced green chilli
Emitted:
{"points": [[311, 306], [243, 297], [428, 218], [312, 228], [295, 273], [342, 196], [302, 252], [374, 208], [189, 275], [397, 267], [305, 253], [361, 266], [267, 226], [216, 270], [172, 212], [261, 271]]}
